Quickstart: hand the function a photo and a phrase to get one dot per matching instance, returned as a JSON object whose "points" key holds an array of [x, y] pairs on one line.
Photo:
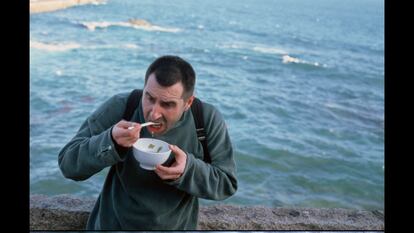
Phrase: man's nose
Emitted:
{"points": [[155, 112]]}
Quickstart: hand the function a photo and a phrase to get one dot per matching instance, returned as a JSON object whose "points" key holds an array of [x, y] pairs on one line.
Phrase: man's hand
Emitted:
{"points": [[176, 169], [123, 136]]}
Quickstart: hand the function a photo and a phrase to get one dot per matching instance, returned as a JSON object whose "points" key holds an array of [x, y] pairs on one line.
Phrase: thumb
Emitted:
{"points": [[178, 153], [173, 148]]}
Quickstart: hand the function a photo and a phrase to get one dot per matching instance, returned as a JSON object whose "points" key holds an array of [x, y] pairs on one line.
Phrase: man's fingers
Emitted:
{"points": [[168, 170], [177, 168], [129, 125], [124, 136], [125, 124], [166, 173], [133, 132], [179, 154], [168, 177], [175, 149]]}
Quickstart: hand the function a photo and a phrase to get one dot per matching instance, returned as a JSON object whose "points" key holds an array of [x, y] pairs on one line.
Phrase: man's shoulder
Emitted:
{"points": [[208, 107], [112, 104], [119, 99], [123, 96], [210, 111]]}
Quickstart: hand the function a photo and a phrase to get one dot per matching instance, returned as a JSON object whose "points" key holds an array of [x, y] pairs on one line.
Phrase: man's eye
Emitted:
{"points": [[167, 105], [151, 99]]}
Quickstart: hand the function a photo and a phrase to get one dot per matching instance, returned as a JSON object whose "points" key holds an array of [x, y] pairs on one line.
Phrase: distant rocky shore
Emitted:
{"points": [[66, 212], [39, 6]]}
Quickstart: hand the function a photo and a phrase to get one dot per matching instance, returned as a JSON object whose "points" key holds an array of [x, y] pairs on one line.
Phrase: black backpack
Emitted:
{"points": [[196, 109]]}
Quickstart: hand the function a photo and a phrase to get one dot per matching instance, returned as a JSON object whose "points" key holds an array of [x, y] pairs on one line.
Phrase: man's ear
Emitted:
{"points": [[189, 102]]}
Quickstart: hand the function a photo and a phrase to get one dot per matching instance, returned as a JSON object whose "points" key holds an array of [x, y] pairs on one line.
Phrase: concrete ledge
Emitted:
{"points": [[66, 212]]}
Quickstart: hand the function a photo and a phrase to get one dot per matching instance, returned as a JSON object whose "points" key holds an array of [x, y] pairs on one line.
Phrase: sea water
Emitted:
{"points": [[300, 84]]}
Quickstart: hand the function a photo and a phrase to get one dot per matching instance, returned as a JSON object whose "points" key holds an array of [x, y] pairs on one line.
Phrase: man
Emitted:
{"points": [[167, 198]]}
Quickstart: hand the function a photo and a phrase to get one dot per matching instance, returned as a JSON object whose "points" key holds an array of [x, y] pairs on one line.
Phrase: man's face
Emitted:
{"points": [[163, 104]]}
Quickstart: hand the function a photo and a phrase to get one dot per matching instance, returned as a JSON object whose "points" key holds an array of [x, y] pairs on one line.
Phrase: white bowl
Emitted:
{"points": [[150, 152]]}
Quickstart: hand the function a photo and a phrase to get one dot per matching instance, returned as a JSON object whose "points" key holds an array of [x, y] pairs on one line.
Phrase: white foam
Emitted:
{"points": [[113, 46], [98, 2], [288, 59], [254, 47], [266, 49], [92, 25], [270, 50], [230, 46], [144, 26], [54, 47], [157, 28], [333, 105], [131, 46]]}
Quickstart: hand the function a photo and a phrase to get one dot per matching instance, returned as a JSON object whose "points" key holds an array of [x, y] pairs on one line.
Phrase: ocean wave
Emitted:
{"points": [[130, 46], [286, 59], [134, 23], [44, 169], [98, 2], [253, 47], [265, 49], [62, 47], [358, 117], [54, 47], [269, 50], [112, 46]]}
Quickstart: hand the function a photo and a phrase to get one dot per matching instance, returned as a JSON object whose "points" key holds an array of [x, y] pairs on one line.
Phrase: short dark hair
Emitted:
{"points": [[169, 70]]}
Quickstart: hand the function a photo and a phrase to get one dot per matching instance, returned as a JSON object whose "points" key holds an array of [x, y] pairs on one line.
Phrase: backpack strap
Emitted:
{"points": [[132, 104], [197, 110]]}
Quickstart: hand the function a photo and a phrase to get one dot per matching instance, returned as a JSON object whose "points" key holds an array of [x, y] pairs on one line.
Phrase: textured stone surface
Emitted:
{"points": [[62, 212], [39, 6], [65, 212], [264, 218]]}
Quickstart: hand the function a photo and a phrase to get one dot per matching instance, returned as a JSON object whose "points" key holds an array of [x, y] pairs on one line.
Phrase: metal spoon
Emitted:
{"points": [[146, 124]]}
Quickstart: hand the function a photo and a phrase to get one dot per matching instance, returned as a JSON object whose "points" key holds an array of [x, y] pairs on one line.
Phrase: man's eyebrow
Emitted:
{"points": [[147, 93], [168, 102], [165, 102]]}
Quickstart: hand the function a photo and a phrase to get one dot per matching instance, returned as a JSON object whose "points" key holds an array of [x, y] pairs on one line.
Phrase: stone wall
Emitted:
{"points": [[65, 212]]}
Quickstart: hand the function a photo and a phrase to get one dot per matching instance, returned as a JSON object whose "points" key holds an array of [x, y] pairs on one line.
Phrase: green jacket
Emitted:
{"points": [[136, 199]]}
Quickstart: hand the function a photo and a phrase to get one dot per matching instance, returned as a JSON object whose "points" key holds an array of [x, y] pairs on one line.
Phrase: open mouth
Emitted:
{"points": [[156, 128]]}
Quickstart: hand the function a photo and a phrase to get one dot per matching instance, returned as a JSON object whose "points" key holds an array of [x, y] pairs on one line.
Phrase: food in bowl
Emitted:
{"points": [[149, 152]]}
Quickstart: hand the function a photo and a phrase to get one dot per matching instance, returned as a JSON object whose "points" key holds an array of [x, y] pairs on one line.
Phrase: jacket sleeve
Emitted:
{"points": [[215, 181], [92, 149]]}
